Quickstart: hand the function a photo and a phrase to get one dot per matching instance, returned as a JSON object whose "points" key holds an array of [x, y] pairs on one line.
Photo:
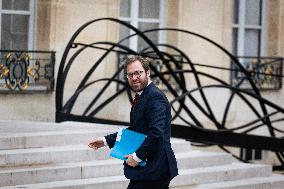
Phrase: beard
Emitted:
{"points": [[140, 85]]}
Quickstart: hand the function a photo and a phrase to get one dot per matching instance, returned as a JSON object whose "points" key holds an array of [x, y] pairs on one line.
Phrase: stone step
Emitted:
{"points": [[21, 128], [48, 138], [61, 154], [113, 182], [56, 156], [234, 171], [195, 159], [271, 182], [15, 126], [186, 177], [63, 137], [99, 168], [23, 134], [50, 155], [60, 172]]}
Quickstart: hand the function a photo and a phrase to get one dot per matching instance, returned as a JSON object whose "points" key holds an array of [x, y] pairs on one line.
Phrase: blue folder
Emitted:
{"points": [[127, 142]]}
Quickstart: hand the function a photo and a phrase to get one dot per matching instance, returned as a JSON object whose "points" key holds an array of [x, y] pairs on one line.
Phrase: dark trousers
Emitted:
{"points": [[148, 184]]}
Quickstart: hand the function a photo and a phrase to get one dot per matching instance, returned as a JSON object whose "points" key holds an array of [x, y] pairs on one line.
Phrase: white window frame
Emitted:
{"points": [[242, 26], [134, 21], [30, 13]]}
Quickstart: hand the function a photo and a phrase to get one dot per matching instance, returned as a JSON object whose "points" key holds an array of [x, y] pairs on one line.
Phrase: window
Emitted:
{"points": [[248, 27], [22, 70], [17, 23], [144, 15], [248, 45], [250, 154]]}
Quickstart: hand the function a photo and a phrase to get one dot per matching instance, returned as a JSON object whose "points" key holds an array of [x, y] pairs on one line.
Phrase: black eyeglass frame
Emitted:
{"points": [[136, 73]]}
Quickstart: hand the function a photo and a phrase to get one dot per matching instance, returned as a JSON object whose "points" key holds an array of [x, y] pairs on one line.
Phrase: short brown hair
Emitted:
{"points": [[145, 62]]}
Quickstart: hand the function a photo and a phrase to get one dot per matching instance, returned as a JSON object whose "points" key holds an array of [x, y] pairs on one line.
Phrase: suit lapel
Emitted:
{"points": [[139, 107], [142, 97]]}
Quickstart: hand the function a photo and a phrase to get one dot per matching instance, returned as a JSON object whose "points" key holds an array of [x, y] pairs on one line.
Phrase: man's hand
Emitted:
{"points": [[96, 143], [130, 161]]}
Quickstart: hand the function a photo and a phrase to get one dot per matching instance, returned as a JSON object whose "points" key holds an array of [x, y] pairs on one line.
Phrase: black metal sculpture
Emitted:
{"points": [[178, 66]]}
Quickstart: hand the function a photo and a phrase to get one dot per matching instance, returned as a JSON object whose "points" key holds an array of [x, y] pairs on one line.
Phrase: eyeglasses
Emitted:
{"points": [[136, 74]]}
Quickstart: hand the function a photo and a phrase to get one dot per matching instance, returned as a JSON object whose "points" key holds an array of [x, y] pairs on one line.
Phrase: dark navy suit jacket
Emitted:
{"points": [[151, 116]]}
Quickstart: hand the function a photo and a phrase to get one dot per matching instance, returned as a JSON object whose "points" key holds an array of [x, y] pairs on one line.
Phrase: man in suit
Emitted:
{"points": [[150, 115]]}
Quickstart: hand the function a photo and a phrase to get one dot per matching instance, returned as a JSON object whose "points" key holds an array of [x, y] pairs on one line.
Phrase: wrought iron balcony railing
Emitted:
{"points": [[266, 72], [26, 71]]}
